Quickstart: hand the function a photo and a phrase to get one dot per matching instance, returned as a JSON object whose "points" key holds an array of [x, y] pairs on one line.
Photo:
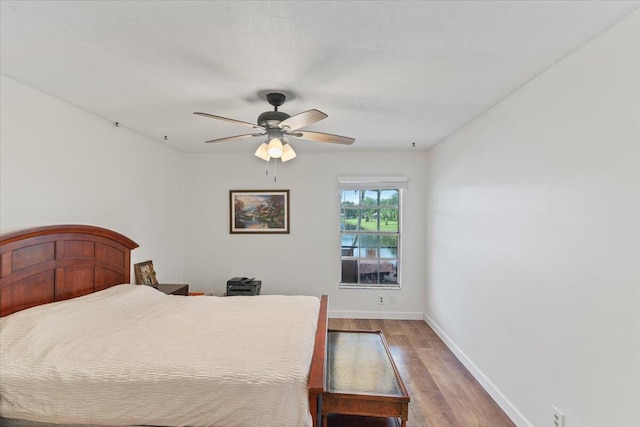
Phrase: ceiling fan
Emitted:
{"points": [[278, 126]]}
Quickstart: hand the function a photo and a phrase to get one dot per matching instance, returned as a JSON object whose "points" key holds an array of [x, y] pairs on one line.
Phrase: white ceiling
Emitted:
{"points": [[387, 73]]}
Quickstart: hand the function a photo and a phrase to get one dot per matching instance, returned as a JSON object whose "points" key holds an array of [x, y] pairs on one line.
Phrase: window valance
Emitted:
{"points": [[372, 182]]}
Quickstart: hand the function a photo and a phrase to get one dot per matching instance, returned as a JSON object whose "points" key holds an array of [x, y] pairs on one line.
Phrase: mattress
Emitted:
{"points": [[131, 355]]}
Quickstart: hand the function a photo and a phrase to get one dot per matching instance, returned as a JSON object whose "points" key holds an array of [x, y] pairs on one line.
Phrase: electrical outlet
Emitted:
{"points": [[381, 300], [558, 417]]}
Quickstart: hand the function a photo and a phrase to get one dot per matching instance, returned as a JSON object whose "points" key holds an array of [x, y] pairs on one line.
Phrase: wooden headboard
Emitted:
{"points": [[58, 262]]}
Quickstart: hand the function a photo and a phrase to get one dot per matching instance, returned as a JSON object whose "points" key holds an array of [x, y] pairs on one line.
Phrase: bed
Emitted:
{"points": [[120, 354]]}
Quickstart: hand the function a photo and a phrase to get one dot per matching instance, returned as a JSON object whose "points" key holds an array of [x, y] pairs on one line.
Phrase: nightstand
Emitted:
{"points": [[173, 289]]}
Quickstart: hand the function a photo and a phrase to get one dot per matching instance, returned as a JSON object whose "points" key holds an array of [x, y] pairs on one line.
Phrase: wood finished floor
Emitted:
{"points": [[443, 393]]}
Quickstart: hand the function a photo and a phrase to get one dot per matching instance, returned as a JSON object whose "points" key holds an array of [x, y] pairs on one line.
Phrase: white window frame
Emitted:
{"points": [[374, 183]]}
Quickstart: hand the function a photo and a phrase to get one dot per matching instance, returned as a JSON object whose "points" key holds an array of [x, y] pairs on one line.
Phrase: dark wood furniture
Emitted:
{"points": [[58, 262], [362, 378], [55, 263], [170, 289]]}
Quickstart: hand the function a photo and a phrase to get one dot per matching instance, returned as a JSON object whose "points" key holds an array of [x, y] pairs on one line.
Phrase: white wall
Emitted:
{"points": [[307, 261], [533, 242], [62, 165]]}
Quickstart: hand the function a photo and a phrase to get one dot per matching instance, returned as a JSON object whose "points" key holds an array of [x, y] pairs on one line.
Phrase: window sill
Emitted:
{"points": [[369, 286]]}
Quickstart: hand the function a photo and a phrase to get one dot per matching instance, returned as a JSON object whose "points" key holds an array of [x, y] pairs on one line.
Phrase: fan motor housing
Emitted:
{"points": [[271, 119]]}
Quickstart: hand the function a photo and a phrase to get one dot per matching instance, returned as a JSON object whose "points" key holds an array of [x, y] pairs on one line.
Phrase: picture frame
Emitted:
{"points": [[259, 211], [145, 274]]}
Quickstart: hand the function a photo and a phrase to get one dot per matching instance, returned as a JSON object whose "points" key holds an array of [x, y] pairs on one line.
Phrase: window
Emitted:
{"points": [[370, 232]]}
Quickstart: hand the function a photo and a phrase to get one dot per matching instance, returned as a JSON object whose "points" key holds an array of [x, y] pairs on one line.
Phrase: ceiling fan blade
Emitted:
{"points": [[240, 122], [236, 137], [323, 137], [303, 119]]}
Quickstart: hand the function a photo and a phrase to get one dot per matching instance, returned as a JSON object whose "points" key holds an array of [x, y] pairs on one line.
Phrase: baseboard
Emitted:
{"points": [[505, 404], [392, 315]]}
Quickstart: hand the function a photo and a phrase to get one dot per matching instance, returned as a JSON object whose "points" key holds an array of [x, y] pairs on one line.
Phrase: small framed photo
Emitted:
{"points": [[145, 274], [259, 211]]}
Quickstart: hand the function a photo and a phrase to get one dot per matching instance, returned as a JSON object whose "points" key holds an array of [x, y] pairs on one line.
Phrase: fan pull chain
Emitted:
{"points": [[275, 170]]}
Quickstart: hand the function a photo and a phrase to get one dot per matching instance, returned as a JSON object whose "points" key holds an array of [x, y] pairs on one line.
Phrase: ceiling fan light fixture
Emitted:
{"points": [[262, 152], [274, 149], [287, 153]]}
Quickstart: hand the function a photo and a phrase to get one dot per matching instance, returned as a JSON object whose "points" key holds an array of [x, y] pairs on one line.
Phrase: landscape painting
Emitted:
{"points": [[259, 211]]}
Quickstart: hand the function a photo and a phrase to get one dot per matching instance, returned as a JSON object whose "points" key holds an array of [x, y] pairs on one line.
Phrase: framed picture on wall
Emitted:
{"points": [[145, 274], [259, 211]]}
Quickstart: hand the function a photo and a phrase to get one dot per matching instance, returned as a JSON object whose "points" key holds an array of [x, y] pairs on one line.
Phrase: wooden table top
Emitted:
{"points": [[362, 379], [359, 363]]}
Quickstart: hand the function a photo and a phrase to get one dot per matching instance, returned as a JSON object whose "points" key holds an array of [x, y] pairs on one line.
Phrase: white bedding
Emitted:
{"points": [[132, 355]]}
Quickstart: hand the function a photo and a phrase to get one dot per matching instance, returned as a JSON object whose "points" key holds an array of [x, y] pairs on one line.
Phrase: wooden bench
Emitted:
{"points": [[362, 379]]}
